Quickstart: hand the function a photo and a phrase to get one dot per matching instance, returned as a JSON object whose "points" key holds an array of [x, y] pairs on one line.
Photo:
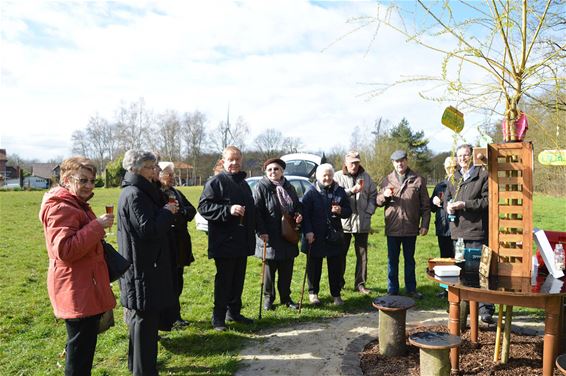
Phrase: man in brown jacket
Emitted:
{"points": [[407, 214]]}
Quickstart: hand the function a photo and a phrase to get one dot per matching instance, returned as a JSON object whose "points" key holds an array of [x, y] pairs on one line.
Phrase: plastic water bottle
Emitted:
{"points": [[559, 256], [459, 250]]}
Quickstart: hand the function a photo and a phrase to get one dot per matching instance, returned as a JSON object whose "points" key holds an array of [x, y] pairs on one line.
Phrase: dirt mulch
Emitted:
{"points": [[525, 356]]}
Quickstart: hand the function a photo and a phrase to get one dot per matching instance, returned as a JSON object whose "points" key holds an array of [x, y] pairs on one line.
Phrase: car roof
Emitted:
{"points": [[302, 156]]}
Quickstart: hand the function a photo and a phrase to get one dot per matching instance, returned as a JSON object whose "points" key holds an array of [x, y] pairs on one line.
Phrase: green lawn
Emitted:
{"points": [[31, 339]]}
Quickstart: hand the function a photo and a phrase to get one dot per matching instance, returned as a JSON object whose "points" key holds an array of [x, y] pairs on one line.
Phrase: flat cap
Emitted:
{"points": [[279, 161], [352, 156], [398, 154]]}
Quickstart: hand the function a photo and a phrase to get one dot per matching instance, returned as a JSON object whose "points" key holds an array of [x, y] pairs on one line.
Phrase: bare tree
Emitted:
{"points": [[81, 146], [518, 45], [168, 135], [194, 134], [292, 145], [134, 122], [96, 133]]}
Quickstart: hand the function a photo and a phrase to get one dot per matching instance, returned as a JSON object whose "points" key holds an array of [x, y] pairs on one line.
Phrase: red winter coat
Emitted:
{"points": [[77, 278]]}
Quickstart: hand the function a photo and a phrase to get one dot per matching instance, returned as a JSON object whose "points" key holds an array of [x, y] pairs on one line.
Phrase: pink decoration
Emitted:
{"points": [[521, 126]]}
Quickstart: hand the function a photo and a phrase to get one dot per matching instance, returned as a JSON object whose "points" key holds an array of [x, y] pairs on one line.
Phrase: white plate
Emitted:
{"points": [[447, 270]]}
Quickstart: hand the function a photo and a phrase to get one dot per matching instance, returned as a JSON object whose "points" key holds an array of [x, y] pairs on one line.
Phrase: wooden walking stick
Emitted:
{"points": [[262, 278], [304, 279]]}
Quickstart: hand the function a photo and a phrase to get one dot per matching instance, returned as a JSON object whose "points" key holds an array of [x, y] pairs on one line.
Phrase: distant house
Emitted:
{"points": [[3, 160], [8, 175], [43, 175]]}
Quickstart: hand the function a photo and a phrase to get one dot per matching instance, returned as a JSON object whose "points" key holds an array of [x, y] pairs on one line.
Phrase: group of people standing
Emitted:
{"points": [[153, 236]]}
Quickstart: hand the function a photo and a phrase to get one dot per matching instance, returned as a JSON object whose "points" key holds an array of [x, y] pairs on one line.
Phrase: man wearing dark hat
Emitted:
{"points": [[404, 195], [228, 205], [362, 192]]}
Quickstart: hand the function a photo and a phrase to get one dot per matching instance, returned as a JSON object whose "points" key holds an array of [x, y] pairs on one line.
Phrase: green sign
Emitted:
{"points": [[453, 119], [552, 157]]}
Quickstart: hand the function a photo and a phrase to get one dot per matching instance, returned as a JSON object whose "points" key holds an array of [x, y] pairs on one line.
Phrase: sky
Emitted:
{"points": [[298, 67]]}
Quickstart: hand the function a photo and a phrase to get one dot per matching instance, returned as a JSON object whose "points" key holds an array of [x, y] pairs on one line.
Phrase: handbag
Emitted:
{"points": [[116, 263], [333, 235], [106, 321], [288, 230]]}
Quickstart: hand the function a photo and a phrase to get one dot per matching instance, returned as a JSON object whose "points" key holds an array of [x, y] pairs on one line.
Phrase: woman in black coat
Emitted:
{"points": [[182, 254], [146, 288], [323, 207], [273, 196]]}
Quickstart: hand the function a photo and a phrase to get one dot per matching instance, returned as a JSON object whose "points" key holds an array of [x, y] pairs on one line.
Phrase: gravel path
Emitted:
{"points": [[330, 347]]}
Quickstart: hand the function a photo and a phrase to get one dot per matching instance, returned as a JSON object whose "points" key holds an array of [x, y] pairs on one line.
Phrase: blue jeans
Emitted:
{"points": [[393, 250]]}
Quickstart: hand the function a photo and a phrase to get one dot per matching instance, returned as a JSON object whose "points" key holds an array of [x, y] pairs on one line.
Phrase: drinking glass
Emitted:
{"points": [[110, 210], [392, 193], [242, 218], [361, 181]]}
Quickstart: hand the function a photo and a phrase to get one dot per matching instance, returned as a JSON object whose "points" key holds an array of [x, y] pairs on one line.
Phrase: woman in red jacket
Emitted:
{"points": [[77, 279]]}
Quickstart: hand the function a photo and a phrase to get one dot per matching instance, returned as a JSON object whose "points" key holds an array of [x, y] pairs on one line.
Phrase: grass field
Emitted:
{"points": [[31, 339]]}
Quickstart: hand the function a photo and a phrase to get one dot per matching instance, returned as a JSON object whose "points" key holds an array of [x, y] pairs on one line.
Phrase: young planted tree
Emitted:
{"points": [[516, 46]]}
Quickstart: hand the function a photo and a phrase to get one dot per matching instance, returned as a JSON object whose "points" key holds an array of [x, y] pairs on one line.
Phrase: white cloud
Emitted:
{"points": [[64, 61]]}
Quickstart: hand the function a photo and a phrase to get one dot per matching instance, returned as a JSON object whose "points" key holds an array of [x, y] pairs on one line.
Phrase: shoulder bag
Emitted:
{"points": [[288, 230], [116, 263], [333, 235]]}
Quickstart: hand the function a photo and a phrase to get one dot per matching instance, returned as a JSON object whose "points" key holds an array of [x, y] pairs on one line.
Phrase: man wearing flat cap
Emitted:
{"points": [[404, 195], [362, 192]]}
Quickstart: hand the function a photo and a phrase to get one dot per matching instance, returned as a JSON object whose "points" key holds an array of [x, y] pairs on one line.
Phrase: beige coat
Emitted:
{"points": [[409, 209], [363, 203]]}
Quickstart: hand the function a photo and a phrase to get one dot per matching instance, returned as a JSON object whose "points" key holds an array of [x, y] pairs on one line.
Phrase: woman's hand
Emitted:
{"points": [[336, 209], [238, 210], [310, 237], [173, 207], [298, 218], [106, 220], [264, 237], [437, 201]]}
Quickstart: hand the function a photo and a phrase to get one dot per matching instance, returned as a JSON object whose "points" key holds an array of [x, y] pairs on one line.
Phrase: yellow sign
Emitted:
{"points": [[453, 119], [552, 157]]}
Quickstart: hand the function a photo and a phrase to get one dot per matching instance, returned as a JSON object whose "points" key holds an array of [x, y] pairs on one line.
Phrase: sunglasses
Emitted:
{"points": [[84, 181]]}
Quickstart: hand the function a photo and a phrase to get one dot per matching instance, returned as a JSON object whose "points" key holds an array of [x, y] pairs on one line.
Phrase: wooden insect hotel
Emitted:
{"points": [[510, 167]]}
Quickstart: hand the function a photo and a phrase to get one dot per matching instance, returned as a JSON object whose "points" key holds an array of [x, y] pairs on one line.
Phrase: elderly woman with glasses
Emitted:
{"points": [[273, 196], [77, 278], [323, 207], [182, 252], [143, 238]]}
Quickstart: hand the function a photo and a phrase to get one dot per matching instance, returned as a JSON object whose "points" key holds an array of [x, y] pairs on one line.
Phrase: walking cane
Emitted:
{"points": [[262, 278], [304, 279]]}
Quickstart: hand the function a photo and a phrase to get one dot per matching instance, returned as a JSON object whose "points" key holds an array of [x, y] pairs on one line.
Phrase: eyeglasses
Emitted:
{"points": [[163, 173], [464, 156], [84, 181], [150, 167], [274, 169]]}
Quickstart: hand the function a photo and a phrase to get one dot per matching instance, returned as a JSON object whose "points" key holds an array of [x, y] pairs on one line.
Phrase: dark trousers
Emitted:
{"points": [[142, 347], [361, 248], [484, 308], [314, 273], [446, 246], [228, 286], [180, 282], [285, 268], [81, 343], [394, 244]]}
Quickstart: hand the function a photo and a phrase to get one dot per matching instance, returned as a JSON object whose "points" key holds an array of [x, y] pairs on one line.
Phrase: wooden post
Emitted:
{"points": [[506, 335]]}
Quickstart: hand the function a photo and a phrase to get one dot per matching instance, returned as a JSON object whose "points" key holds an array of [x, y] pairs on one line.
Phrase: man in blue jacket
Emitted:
{"points": [[228, 205]]}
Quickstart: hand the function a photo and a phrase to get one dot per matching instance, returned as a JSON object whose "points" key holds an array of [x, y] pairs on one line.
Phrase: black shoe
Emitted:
{"points": [[268, 306], [180, 324], [239, 318], [415, 295], [487, 318], [392, 293], [291, 305], [218, 325]]}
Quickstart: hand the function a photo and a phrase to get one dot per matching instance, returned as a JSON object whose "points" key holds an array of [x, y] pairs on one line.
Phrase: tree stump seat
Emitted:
{"points": [[561, 363], [392, 322], [434, 350]]}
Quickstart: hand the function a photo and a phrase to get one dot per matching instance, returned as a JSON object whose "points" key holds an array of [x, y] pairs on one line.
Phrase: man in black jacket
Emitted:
{"points": [[228, 205], [468, 201]]}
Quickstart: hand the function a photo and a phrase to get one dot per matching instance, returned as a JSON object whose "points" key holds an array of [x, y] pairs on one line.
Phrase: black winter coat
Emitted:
{"points": [[441, 221], [226, 237], [472, 222], [316, 210], [268, 210], [143, 227], [184, 249]]}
